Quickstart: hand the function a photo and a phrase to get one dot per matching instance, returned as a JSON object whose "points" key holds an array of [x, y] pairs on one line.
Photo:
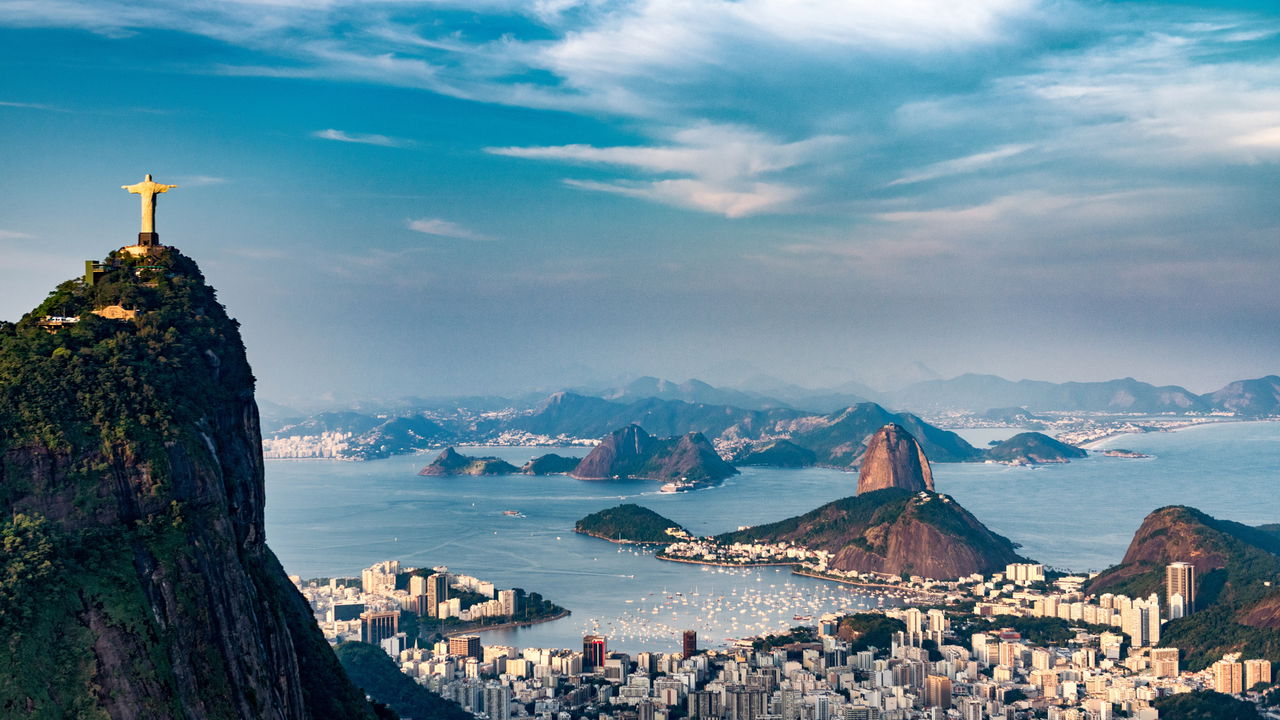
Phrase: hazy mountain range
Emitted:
{"points": [[830, 422]]}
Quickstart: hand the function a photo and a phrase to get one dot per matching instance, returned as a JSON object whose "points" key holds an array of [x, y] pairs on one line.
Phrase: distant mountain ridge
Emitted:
{"points": [[819, 420], [570, 414], [977, 393]]}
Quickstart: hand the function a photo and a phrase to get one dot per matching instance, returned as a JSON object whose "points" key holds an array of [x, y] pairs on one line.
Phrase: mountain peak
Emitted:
{"points": [[894, 460]]}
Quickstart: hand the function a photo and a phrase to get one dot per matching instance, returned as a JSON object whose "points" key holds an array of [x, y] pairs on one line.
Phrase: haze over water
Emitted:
{"points": [[329, 518]]}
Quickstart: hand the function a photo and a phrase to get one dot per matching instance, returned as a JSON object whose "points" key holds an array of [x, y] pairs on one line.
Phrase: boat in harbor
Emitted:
{"points": [[513, 513]]}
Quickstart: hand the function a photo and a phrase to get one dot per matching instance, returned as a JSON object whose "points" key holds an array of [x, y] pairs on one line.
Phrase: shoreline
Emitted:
{"points": [[875, 586], [1095, 443], [724, 564], [623, 542], [508, 625]]}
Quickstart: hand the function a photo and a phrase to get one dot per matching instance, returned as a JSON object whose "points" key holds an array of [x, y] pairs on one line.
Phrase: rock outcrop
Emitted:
{"points": [[893, 531], [451, 462], [894, 460], [136, 582], [633, 453], [1029, 448]]}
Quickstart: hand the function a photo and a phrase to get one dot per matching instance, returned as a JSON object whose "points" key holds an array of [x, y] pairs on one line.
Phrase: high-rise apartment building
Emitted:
{"points": [[380, 578], [689, 643], [1228, 677], [1256, 671], [594, 650], [378, 626], [704, 704], [437, 591], [497, 701], [1164, 662], [744, 703], [937, 691], [466, 646], [1180, 588]]}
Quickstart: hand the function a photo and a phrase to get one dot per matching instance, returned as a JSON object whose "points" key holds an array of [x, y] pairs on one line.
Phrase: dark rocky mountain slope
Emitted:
{"points": [[136, 582]]}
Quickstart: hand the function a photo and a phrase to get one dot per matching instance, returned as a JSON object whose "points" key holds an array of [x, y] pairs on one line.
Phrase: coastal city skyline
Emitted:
{"points": [[1057, 191]]}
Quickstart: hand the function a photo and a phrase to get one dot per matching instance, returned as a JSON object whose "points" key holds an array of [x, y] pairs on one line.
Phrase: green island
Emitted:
{"points": [[631, 523]]}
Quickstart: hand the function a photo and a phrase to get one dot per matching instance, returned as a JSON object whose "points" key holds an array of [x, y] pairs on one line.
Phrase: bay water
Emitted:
{"points": [[331, 518]]}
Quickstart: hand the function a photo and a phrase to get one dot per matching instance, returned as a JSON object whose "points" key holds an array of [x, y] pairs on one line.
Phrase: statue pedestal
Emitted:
{"points": [[148, 239]]}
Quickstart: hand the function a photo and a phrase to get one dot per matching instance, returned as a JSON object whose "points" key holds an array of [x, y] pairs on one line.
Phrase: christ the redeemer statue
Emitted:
{"points": [[148, 190]]}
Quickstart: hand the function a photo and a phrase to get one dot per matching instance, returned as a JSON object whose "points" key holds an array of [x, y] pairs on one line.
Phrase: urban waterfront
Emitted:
{"points": [[328, 518]]}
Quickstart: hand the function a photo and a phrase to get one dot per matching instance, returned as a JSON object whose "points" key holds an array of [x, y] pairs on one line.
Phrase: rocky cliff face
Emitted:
{"points": [[140, 585], [894, 460], [893, 531], [632, 452]]}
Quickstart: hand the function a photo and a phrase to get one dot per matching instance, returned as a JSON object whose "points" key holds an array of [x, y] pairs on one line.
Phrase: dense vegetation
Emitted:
{"points": [[1205, 705], [1036, 630], [132, 385], [627, 523], [867, 630], [380, 678], [798, 634]]}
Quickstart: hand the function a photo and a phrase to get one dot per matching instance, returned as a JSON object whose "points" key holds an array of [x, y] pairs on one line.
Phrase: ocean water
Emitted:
{"points": [[328, 518]]}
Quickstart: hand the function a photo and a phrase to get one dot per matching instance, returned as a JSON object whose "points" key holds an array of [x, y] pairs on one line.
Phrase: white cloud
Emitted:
{"points": [[31, 106], [13, 235], [723, 168], [958, 166], [1161, 98], [200, 180], [361, 138], [443, 228]]}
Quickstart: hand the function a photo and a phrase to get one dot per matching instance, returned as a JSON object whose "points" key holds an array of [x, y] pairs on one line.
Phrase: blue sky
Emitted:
{"points": [[437, 197]]}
